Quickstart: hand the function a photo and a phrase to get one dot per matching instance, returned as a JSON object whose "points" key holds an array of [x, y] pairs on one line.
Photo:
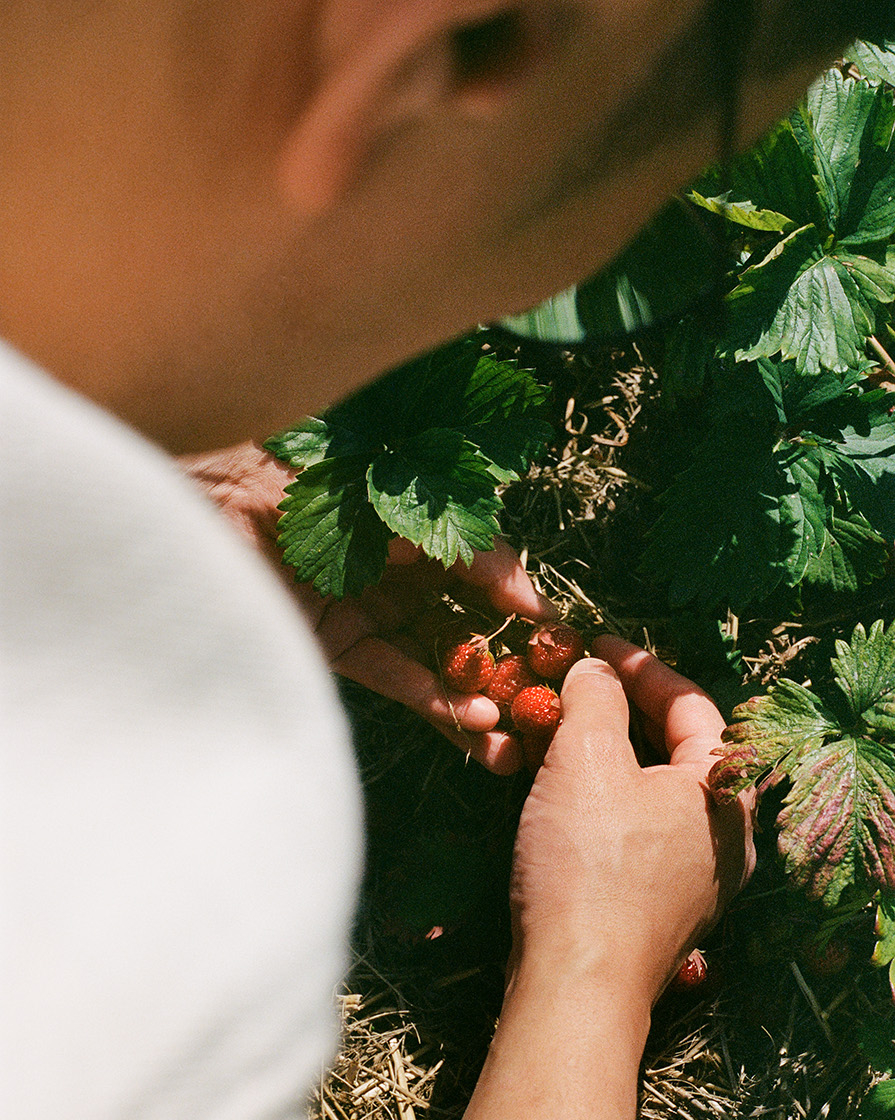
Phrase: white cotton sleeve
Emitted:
{"points": [[179, 812]]}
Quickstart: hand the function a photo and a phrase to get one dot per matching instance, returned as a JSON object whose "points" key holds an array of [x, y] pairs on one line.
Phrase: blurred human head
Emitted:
{"points": [[218, 215]]}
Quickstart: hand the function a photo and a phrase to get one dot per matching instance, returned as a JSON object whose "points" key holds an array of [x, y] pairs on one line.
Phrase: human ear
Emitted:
{"points": [[385, 65]]}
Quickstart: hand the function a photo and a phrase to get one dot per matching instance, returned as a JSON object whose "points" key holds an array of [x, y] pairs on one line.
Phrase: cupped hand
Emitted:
{"points": [[371, 639], [619, 869]]}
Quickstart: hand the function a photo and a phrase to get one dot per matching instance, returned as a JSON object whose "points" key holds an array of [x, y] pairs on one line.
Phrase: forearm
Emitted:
{"points": [[566, 1048]]}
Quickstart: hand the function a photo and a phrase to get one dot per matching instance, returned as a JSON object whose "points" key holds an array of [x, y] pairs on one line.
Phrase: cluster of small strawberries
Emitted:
{"points": [[517, 682]]}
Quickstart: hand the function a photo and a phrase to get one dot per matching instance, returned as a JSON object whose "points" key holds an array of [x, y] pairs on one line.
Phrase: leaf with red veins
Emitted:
{"points": [[765, 731], [837, 826], [737, 769]]}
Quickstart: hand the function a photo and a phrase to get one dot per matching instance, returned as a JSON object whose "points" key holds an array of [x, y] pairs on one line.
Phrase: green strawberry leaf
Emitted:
{"points": [[314, 440], [437, 491], [850, 126], [420, 452], [497, 406], [884, 950], [743, 213], [875, 61], [865, 672], [330, 532], [872, 491], [805, 401], [502, 413], [879, 1103], [826, 314], [851, 555], [829, 125], [814, 295], [841, 550], [769, 188], [765, 501], [721, 537], [876, 1033]]}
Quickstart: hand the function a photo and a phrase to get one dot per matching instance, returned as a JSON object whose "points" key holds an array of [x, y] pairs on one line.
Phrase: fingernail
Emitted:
{"points": [[592, 666], [477, 713]]}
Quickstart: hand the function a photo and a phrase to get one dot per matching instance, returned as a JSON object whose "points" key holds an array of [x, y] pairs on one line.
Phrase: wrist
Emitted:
{"points": [[586, 988], [568, 1043]]}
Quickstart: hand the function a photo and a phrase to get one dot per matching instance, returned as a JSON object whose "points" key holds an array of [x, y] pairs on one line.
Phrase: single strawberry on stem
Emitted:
{"points": [[468, 666], [692, 972], [553, 650], [536, 711]]}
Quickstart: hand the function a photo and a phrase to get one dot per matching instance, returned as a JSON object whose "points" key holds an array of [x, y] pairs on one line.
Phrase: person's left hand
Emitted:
{"points": [[370, 639]]}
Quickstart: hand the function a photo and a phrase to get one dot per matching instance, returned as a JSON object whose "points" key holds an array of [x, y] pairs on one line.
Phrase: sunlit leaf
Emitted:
{"points": [[876, 62], [330, 533], [436, 492], [420, 452], [879, 1104]]}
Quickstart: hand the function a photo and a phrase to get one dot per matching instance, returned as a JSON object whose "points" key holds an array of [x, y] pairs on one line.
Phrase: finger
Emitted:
{"points": [[691, 722], [385, 669], [500, 575], [595, 718], [402, 551]]}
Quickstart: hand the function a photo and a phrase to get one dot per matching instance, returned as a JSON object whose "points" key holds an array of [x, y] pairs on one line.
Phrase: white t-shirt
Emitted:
{"points": [[179, 812]]}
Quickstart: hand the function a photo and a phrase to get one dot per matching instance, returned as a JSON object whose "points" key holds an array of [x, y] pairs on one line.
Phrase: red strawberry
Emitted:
{"points": [[511, 675], [468, 666], [553, 650], [536, 711], [692, 972]]}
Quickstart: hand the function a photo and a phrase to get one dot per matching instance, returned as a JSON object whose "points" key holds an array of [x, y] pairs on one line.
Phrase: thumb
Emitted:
{"points": [[595, 717]]}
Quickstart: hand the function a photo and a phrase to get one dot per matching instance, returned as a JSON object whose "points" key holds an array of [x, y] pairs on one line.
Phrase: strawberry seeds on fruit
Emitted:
{"points": [[468, 666], [536, 711], [511, 674]]}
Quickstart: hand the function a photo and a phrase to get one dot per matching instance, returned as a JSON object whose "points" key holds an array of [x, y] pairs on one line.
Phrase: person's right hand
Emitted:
{"points": [[621, 869]]}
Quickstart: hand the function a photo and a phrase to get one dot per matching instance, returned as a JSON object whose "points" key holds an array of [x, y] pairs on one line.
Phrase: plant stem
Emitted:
{"points": [[884, 355]]}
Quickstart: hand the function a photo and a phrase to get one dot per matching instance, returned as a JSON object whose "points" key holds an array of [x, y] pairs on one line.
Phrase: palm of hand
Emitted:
{"points": [[373, 639]]}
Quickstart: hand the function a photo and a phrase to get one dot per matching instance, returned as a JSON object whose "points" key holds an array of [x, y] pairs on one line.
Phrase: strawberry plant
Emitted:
{"points": [[419, 454], [789, 484], [811, 216]]}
